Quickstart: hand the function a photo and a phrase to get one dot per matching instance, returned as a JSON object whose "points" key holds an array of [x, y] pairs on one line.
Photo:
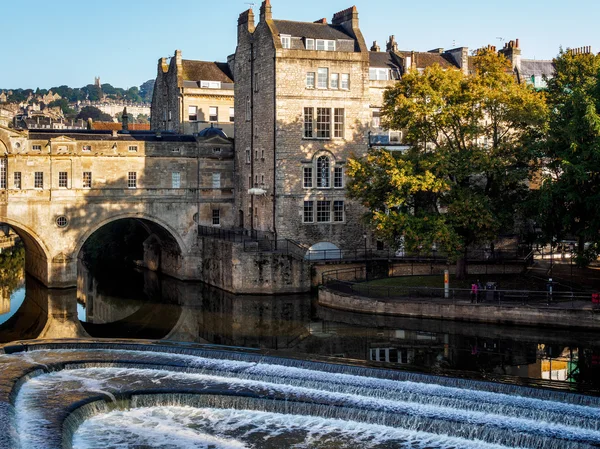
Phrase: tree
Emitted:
{"points": [[64, 105], [570, 191], [146, 91], [465, 174], [94, 113]]}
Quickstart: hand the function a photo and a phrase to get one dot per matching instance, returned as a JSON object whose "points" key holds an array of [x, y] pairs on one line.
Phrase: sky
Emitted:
{"points": [[51, 43]]}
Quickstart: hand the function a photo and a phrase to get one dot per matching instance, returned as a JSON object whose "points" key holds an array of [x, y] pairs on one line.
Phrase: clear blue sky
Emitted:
{"points": [[48, 43]]}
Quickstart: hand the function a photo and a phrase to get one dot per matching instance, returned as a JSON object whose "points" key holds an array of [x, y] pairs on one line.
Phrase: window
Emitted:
{"points": [[255, 82], [86, 148], [132, 180], [308, 177], [310, 44], [3, 167], [63, 179], [323, 172], [338, 122], [210, 84], [36, 147], [379, 74], [309, 213], [338, 177], [231, 115], [345, 81], [193, 113], [250, 184], [308, 122], [38, 180], [322, 77], [62, 221], [213, 114], [323, 211], [248, 109], [17, 179], [376, 118], [216, 180], [286, 41], [87, 179], [262, 155], [176, 180], [310, 80], [262, 180], [248, 156], [216, 150], [325, 44], [133, 148], [338, 211], [335, 81], [323, 123], [216, 217], [395, 136], [255, 155]]}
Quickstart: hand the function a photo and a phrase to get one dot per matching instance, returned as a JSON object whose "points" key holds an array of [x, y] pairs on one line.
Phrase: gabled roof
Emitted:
{"points": [[426, 59], [382, 59], [312, 30], [206, 71], [530, 67]]}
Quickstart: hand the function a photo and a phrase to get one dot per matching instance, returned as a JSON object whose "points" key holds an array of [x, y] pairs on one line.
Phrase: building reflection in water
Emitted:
{"points": [[141, 304]]}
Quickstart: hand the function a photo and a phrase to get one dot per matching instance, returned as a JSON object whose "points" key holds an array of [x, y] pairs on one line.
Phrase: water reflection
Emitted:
{"points": [[141, 304]]}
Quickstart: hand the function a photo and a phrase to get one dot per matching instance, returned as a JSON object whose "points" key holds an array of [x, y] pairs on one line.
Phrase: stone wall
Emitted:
{"points": [[227, 266], [485, 313]]}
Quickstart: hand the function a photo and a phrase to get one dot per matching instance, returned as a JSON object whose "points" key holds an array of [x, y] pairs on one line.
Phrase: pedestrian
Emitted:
{"points": [[474, 289]]}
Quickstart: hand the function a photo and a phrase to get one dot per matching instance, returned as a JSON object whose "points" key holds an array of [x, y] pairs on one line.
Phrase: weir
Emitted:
{"points": [[88, 394]]}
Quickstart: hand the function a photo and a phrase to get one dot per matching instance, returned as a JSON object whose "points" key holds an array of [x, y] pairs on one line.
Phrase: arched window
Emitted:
{"points": [[323, 172]]}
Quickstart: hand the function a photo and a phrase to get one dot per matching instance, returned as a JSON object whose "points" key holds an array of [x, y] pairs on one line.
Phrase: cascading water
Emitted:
{"points": [[131, 396]]}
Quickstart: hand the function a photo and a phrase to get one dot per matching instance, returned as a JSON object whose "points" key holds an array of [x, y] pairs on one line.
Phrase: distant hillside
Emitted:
{"points": [[91, 92]]}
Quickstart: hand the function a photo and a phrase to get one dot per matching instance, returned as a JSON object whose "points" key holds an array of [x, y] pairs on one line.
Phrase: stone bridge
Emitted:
{"points": [[59, 187]]}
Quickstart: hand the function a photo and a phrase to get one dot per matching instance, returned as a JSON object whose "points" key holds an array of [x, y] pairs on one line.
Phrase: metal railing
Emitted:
{"points": [[355, 282]]}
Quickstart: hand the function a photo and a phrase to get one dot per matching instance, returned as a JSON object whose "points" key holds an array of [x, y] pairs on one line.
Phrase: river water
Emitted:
{"points": [[144, 305]]}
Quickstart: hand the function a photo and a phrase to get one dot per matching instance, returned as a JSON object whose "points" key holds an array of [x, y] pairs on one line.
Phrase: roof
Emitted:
{"points": [[530, 67], [107, 136], [426, 59], [207, 71], [115, 126], [212, 132], [381, 59], [311, 30]]}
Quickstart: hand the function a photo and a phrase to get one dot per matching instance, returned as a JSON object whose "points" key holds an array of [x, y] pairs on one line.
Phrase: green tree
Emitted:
{"points": [[464, 176], [64, 105], [146, 91], [570, 191], [94, 113]]}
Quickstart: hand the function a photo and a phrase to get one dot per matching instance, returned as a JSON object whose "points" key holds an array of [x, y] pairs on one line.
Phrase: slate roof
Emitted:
{"points": [[311, 30], [382, 59], [206, 71], [530, 67], [426, 59], [107, 136]]}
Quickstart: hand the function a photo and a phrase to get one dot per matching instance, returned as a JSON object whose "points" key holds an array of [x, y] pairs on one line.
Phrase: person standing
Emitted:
{"points": [[474, 290]]}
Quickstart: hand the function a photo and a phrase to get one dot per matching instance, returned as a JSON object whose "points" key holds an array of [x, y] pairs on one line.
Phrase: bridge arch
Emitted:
{"points": [[37, 253], [164, 249]]}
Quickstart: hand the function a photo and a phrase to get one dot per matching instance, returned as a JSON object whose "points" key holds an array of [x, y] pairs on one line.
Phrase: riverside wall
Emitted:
{"points": [[587, 318]]}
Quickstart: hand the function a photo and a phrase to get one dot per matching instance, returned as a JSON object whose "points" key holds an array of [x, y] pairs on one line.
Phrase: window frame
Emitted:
{"points": [[323, 123], [323, 172], [176, 180], [308, 212], [36, 147], [308, 83], [339, 123], [345, 79], [286, 41], [216, 217], [216, 181], [307, 177], [17, 180], [309, 43], [38, 180], [192, 117], [338, 211], [86, 180], [322, 78], [213, 117], [132, 180], [309, 123], [63, 180], [338, 177], [232, 114], [132, 148], [323, 210]]}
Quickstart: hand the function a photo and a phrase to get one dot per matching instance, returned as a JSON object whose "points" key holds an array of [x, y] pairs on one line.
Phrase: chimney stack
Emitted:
{"points": [[392, 45], [246, 20], [375, 47], [322, 21], [125, 121], [347, 18], [265, 11]]}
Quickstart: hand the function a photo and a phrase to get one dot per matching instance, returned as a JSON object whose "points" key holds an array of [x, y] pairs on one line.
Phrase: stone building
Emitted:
{"points": [[190, 96], [302, 96]]}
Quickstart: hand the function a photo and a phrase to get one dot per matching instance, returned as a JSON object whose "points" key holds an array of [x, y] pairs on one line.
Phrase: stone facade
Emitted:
{"points": [[57, 188], [192, 95], [277, 149]]}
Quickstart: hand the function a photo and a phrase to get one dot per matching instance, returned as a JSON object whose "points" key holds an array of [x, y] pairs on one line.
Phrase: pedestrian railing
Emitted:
{"points": [[355, 282]]}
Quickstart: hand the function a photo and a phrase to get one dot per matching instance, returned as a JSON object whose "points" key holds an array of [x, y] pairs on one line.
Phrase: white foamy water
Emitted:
{"points": [[200, 428]]}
